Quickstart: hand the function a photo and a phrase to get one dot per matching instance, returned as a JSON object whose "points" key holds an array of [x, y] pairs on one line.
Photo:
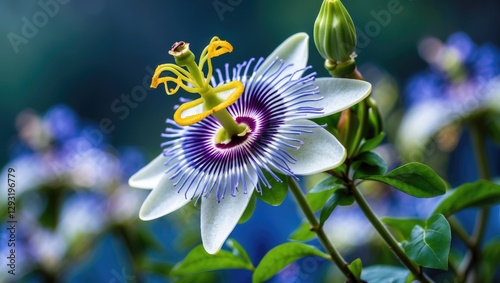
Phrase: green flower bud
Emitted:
{"points": [[375, 126], [334, 32], [347, 127]]}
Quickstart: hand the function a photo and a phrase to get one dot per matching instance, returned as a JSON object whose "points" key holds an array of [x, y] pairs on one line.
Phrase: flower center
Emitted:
{"points": [[224, 141]]}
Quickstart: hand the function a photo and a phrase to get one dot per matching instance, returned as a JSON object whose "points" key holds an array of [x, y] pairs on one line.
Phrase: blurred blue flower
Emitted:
{"points": [[71, 189], [62, 121], [53, 149], [78, 215], [462, 79], [486, 61], [453, 65]]}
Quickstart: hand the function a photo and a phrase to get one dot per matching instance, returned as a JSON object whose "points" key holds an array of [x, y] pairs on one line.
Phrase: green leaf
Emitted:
{"points": [[249, 210], [429, 246], [317, 201], [415, 179], [372, 143], [491, 259], [302, 233], [368, 163], [198, 260], [277, 193], [281, 256], [384, 274], [326, 184], [318, 196], [356, 267], [477, 194], [238, 250], [402, 226], [339, 197], [330, 122]]}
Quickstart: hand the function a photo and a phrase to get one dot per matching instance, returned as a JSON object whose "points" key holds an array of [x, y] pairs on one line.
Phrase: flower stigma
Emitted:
{"points": [[214, 100]]}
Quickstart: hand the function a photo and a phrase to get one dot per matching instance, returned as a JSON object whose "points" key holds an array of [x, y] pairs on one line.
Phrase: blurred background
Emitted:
{"points": [[78, 118]]}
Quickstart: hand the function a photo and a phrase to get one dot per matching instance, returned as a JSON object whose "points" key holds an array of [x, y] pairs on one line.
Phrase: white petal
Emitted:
{"points": [[419, 124], [294, 50], [339, 94], [150, 175], [163, 200], [219, 219], [321, 151]]}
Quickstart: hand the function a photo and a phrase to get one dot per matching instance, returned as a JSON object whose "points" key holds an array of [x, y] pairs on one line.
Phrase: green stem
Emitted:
{"points": [[453, 269], [481, 155], [459, 230], [195, 72], [387, 236], [309, 213], [478, 143], [48, 276]]}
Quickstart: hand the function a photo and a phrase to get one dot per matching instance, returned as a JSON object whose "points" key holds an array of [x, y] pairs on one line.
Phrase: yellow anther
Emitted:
{"points": [[218, 47], [188, 120]]}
